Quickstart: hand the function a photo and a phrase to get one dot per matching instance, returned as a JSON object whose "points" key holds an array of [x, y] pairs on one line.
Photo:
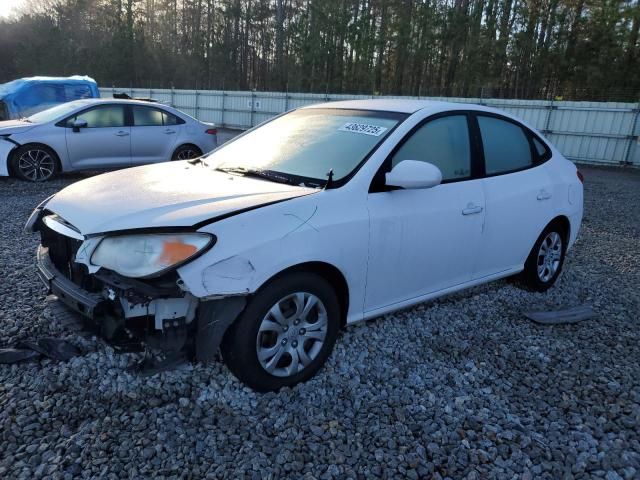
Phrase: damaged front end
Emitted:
{"points": [[132, 314]]}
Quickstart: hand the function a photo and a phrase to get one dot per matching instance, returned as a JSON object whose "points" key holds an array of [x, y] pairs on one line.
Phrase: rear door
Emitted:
{"points": [[106, 140], [154, 133], [517, 191]]}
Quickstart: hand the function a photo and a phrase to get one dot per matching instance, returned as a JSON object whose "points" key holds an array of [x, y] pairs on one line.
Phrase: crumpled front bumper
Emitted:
{"points": [[88, 304], [124, 315]]}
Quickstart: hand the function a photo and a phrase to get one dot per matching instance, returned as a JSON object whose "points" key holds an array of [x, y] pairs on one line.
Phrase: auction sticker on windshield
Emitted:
{"points": [[364, 128]]}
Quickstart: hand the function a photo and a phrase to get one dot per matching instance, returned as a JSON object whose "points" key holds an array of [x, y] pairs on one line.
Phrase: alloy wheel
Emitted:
{"points": [[187, 154], [549, 256], [291, 334], [36, 165]]}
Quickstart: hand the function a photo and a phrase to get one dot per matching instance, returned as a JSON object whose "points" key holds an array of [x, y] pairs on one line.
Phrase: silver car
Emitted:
{"points": [[100, 133]]}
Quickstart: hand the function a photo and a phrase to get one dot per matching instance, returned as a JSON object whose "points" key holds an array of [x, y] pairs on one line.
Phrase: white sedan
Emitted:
{"points": [[322, 217], [99, 133]]}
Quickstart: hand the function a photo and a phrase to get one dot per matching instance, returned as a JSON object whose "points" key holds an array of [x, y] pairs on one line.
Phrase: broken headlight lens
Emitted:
{"points": [[146, 255]]}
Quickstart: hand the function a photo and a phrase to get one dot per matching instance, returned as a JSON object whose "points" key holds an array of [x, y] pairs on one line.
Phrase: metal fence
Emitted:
{"points": [[606, 133]]}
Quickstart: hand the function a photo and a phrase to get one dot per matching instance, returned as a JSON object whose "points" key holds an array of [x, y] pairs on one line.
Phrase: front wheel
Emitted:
{"points": [[34, 163], [544, 264], [285, 334]]}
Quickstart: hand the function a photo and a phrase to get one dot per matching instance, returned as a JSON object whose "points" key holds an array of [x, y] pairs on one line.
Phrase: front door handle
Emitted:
{"points": [[472, 209], [122, 134], [169, 132], [544, 195]]}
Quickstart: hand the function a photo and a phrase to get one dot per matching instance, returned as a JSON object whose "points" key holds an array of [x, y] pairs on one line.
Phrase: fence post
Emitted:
{"points": [[197, 95], [222, 117], [547, 123], [253, 99], [173, 93], [632, 137], [286, 99]]}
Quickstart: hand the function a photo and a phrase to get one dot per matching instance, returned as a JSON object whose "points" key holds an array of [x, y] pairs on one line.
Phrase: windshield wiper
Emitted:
{"points": [[251, 172], [25, 119]]}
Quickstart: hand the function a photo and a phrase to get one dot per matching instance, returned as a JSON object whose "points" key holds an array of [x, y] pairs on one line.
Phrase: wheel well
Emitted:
{"points": [[331, 274], [564, 224], [56, 157]]}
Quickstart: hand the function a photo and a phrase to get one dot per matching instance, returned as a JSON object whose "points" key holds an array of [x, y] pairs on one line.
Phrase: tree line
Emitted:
{"points": [[582, 49]]}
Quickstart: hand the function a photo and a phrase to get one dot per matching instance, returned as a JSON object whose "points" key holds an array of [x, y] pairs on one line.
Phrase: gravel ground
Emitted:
{"points": [[464, 387]]}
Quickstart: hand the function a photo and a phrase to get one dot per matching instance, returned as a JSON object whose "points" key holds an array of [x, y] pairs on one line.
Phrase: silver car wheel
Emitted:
{"points": [[291, 334], [187, 154], [549, 256], [36, 165]]}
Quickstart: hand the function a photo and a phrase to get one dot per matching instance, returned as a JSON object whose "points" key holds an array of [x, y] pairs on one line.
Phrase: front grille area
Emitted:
{"points": [[62, 251]]}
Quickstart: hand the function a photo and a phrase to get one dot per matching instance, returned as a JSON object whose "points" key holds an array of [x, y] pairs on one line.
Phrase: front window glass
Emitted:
{"points": [[443, 142], [53, 113], [102, 117], [304, 145]]}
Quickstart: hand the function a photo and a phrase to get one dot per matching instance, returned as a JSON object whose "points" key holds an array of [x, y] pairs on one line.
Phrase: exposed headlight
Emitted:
{"points": [[146, 255]]}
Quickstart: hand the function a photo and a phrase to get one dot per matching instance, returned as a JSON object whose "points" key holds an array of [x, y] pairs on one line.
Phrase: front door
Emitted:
{"points": [[105, 141], [426, 240]]}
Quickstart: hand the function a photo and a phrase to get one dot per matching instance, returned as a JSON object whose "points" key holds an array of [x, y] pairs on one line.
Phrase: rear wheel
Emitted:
{"points": [[285, 334], [186, 152], [34, 163], [544, 264]]}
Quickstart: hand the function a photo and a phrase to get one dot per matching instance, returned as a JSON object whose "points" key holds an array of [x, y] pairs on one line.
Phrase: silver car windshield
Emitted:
{"points": [[304, 145], [54, 112]]}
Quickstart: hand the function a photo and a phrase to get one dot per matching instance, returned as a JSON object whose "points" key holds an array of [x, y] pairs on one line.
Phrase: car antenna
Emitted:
{"points": [[329, 183]]}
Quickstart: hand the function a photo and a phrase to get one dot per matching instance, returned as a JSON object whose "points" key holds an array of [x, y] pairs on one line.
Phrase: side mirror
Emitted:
{"points": [[78, 124], [414, 174]]}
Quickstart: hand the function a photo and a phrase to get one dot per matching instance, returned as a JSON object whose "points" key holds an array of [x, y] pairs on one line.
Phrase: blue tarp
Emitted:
{"points": [[26, 96]]}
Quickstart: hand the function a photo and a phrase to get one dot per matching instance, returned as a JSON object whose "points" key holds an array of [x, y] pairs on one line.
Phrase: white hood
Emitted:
{"points": [[174, 194]]}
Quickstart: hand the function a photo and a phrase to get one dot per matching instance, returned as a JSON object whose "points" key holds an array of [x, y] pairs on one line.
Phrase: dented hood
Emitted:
{"points": [[175, 194]]}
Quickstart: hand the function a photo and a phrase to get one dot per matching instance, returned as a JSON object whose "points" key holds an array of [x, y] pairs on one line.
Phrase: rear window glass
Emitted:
{"points": [[147, 117], [506, 146]]}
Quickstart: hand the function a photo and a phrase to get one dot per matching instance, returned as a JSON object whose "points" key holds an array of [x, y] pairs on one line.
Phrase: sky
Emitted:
{"points": [[7, 7]]}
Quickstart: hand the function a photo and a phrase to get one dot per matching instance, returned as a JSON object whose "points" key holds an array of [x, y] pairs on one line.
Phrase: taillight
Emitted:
{"points": [[212, 131], [580, 176]]}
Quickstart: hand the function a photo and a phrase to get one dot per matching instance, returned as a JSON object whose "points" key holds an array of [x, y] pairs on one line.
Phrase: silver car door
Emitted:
{"points": [[99, 138], [152, 140]]}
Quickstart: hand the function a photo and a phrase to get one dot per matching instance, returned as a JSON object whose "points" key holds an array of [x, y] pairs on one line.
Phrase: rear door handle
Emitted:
{"points": [[122, 134], [544, 195], [472, 209], [169, 132]]}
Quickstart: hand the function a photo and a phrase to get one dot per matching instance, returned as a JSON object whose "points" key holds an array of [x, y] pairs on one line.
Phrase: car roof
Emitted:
{"points": [[90, 101], [399, 105]]}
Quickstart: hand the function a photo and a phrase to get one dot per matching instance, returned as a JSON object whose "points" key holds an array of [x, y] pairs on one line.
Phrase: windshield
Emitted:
{"points": [[54, 112], [302, 146]]}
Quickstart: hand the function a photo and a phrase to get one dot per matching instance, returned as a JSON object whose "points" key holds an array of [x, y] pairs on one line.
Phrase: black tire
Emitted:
{"points": [[240, 345], [531, 276], [34, 163], [186, 152]]}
